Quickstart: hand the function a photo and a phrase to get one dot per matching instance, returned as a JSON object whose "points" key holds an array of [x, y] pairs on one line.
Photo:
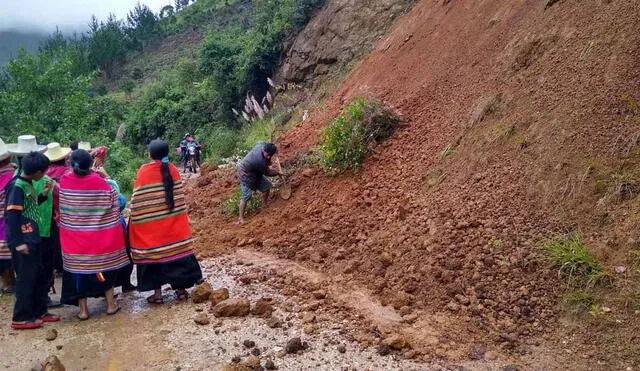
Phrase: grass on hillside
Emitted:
{"points": [[575, 264]]}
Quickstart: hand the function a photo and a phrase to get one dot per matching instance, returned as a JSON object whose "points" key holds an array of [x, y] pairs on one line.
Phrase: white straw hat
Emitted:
{"points": [[26, 144], [55, 152], [84, 145], [4, 152]]}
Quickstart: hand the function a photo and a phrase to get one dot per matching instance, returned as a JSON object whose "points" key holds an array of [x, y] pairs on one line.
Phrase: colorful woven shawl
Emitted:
{"points": [[90, 232], [157, 234], [6, 174]]}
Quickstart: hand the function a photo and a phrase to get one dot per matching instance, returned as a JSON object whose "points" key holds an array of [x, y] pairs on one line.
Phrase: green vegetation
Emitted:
{"points": [[568, 254], [354, 133], [60, 93], [579, 301], [231, 205], [446, 152]]}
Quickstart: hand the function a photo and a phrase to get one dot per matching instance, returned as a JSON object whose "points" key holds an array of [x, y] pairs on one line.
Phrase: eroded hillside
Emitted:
{"points": [[520, 121]]}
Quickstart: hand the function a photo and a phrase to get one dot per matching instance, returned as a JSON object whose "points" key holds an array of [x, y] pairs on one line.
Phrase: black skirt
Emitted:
{"points": [[4, 265], [80, 286], [180, 274]]}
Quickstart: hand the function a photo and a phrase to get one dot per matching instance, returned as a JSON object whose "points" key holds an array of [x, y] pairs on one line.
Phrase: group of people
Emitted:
{"points": [[62, 210]]}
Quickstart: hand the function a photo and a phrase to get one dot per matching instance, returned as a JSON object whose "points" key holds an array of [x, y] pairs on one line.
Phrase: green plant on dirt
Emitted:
{"points": [[579, 302], [596, 309], [568, 254], [231, 205], [630, 102], [352, 135], [522, 141], [446, 152]]}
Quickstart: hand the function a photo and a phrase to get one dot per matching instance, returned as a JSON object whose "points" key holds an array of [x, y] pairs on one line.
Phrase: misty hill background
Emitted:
{"points": [[12, 40]]}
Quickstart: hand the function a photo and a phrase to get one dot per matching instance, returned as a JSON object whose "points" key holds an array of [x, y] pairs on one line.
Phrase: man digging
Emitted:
{"points": [[253, 170]]}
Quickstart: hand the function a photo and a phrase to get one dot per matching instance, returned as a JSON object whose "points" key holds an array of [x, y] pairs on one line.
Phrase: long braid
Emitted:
{"points": [[167, 181]]}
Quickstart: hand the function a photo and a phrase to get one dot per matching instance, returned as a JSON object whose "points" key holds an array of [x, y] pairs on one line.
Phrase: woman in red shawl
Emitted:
{"points": [[159, 231]]}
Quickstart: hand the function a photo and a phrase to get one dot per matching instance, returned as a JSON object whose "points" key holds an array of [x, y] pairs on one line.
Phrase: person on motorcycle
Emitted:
{"points": [[182, 147], [190, 142]]}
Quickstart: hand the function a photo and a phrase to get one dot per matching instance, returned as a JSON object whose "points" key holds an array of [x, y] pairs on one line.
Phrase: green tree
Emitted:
{"points": [[142, 27], [107, 44]]}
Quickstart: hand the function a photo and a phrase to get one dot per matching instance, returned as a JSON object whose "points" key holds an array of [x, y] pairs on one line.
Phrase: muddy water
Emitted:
{"points": [[165, 337]]}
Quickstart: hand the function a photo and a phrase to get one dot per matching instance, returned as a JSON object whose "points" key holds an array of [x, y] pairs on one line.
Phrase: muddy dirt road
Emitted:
{"points": [[167, 338], [332, 316]]}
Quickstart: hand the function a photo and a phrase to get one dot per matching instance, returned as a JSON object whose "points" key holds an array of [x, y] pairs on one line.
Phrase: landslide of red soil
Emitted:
{"points": [[530, 101]]}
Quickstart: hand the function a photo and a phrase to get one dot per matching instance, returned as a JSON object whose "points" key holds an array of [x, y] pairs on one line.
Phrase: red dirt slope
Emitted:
{"points": [[530, 100]]}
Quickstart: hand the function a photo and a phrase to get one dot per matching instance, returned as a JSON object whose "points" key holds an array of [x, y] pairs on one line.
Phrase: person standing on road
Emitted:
{"points": [[23, 238], [92, 238], [159, 231], [252, 172], [27, 144]]}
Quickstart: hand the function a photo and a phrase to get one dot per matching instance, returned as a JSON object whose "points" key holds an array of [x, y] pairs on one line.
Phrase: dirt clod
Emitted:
{"points": [[218, 296], [384, 349], [239, 307], [294, 345], [253, 362], [201, 293], [263, 307], [308, 328], [52, 363], [342, 348], [52, 334], [396, 342], [202, 319], [274, 322], [308, 318], [269, 365]]}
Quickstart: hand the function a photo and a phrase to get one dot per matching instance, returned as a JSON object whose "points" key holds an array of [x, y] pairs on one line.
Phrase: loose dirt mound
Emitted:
{"points": [[523, 98]]}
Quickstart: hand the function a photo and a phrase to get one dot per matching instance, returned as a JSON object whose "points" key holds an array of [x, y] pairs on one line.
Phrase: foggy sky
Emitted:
{"points": [[69, 15]]}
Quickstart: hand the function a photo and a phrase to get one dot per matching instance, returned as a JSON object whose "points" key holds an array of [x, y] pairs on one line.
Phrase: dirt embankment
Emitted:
{"points": [[531, 106]]}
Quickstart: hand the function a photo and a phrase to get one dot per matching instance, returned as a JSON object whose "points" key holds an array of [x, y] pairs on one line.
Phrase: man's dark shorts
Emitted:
{"points": [[247, 192]]}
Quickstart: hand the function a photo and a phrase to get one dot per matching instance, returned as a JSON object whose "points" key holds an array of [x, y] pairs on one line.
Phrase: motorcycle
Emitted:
{"points": [[191, 160]]}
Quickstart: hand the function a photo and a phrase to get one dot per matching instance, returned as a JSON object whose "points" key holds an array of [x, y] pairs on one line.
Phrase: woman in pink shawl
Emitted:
{"points": [[6, 174], [93, 246]]}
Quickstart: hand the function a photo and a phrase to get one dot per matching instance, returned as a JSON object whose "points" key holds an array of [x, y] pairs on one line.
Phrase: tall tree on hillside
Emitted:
{"points": [[142, 26], [54, 43], [107, 44]]}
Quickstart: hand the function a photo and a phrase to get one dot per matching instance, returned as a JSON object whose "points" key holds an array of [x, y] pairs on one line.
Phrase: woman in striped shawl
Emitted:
{"points": [[92, 239], [159, 231]]}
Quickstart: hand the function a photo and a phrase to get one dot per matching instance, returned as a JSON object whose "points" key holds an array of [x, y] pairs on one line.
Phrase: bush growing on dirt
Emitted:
{"points": [[574, 262], [231, 205], [361, 126], [218, 142]]}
